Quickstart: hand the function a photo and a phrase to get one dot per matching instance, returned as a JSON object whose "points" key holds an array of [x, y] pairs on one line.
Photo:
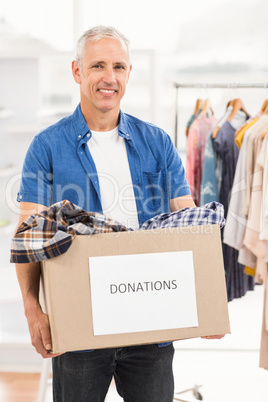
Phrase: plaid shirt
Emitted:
{"points": [[50, 233], [209, 214]]}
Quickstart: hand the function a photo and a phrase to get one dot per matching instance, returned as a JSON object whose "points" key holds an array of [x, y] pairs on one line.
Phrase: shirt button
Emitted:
{"points": [[88, 135], [127, 135], [79, 136], [20, 197]]}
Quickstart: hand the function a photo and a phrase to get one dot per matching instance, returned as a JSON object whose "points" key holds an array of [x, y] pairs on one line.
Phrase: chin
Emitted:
{"points": [[108, 108]]}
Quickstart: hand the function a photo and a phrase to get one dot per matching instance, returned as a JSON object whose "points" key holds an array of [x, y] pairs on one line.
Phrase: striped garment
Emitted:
{"points": [[50, 233]]}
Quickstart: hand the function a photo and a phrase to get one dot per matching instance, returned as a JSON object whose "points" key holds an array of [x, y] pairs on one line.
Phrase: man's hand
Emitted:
{"points": [[40, 333], [213, 337]]}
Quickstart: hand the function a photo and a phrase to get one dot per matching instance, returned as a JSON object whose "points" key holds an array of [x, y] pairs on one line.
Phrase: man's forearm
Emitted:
{"points": [[29, 281], [29, 278], [178, 203]]}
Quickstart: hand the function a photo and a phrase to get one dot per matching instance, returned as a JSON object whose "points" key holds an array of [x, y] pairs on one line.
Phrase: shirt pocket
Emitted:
{"points": [[155, 191]]}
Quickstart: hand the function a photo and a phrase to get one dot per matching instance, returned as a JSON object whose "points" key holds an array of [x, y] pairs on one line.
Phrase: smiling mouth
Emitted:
{"points": [[107, 91]]}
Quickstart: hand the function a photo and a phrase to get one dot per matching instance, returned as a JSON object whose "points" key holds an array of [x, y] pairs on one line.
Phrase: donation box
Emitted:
{"points": [[136, 287]]}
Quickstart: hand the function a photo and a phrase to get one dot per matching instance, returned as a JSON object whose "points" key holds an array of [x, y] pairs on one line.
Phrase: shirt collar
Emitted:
{"points": [[123, 129], [80, 125], [82, 129]]}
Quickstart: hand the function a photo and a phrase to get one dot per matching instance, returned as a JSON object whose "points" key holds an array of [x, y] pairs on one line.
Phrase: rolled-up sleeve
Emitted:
{"points": [[178, 185], [36, 177]]}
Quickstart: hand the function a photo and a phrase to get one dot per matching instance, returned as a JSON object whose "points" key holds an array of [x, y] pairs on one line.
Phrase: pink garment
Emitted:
{"points": [[197, 137]]}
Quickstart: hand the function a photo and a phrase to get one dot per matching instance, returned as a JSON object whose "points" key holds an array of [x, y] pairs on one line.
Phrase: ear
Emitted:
{"points": [[76, 72], [130, 68]]}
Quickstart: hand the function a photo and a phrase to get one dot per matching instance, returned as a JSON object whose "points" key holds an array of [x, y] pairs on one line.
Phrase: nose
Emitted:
{"points": [[109, 75]]}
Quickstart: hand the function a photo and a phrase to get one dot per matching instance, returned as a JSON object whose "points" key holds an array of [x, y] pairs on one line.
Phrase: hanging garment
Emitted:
{"points": [[254, 145], [234, 235], [264, 334], [192, 119], [227, 152], [209, 183], [238, 283], [236, 219], [234, 231], [222, 120], [51, 232], [263, 162], [197, 138], [212, 166], [252, 245], [252, 239]]}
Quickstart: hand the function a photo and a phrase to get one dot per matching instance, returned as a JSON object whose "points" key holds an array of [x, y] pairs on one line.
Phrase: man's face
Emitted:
{"points": [[105, 73]]}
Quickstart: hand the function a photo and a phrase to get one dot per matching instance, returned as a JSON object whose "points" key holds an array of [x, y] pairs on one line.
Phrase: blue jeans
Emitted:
{"points": [[142, 374]]}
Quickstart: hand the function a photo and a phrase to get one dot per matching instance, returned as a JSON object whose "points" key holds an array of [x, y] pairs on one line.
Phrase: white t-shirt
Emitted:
{"points": [[109, 153]]}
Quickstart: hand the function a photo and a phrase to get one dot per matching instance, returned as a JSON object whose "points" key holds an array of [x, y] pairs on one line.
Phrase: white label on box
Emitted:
{"points": [[142, 292]]}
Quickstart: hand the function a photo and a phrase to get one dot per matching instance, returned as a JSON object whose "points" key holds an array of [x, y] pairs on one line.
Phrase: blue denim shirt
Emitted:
{"points": [[58, 165]]}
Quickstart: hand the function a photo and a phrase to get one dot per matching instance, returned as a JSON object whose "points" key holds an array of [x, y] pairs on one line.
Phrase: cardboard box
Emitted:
{"points": [[68, 299]]}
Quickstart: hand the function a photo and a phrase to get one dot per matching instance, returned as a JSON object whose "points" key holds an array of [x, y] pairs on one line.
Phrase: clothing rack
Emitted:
{"points": [[179, 86], [204, 86]]}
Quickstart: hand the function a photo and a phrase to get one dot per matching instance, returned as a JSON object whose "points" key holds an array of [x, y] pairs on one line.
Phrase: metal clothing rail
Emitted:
{"points": [[208, 85]]}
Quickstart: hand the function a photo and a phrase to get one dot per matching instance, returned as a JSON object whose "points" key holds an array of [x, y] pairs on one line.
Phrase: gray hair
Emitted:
{"points": [[94, 34]]}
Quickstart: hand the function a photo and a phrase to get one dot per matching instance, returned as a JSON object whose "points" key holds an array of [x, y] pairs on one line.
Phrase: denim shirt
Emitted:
{"points": [[58, 166]]}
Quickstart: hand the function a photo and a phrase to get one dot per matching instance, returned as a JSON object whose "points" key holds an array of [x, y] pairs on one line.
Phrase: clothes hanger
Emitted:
{"points": [[217, 129], [265, 111], [237, 105], [244, 110], [264, 106], [198, 105], [264, 134], [206, 107]]}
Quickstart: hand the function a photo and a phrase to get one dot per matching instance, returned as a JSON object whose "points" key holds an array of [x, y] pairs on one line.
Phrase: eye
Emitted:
{"points": [[97, 66], [120, 67]]}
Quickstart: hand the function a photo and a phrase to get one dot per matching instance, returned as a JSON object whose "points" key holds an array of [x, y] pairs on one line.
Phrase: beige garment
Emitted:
{"points": [[253, 226], [263, 162], [266, 301], [264, 335], [247, 258], [234, 231], [252, 151]]}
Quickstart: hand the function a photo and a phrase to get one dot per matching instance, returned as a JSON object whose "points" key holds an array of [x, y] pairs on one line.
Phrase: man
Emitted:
{"points": [[104, 161]]}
